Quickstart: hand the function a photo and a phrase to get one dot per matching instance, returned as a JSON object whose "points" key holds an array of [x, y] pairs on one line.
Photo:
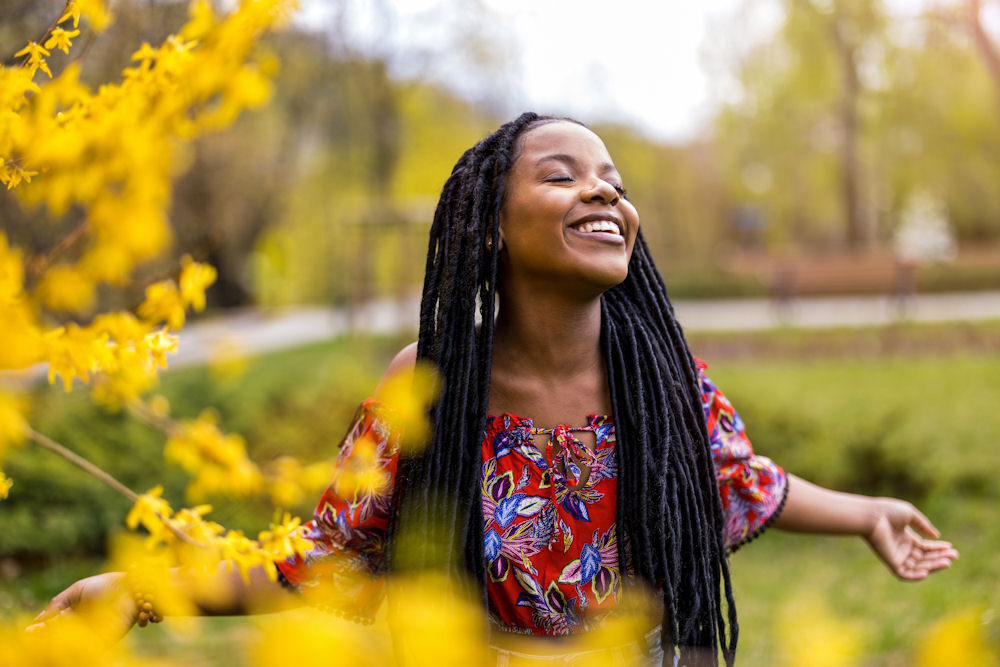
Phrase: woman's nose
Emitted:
{"points": [[600, 190]]}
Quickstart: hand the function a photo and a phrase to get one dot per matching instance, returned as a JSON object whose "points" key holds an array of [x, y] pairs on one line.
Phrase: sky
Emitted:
{"points": [[660, 65]]}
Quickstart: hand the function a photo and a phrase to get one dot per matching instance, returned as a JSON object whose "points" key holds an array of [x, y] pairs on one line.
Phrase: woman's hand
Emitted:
{"points": [[896, 539], [892, 527], [102, 593]]}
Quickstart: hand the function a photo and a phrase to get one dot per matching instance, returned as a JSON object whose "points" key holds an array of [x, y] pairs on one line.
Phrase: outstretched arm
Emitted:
{"points": [[899, 534], [230, 595]]}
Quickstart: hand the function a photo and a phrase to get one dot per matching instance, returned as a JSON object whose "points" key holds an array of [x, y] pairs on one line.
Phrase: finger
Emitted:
{"points": [[50, 616], [934, 546], [938, 564], [923, 525], [55, 607]]}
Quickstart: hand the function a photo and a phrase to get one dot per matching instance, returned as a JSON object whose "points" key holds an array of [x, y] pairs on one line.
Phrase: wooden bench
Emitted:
{"points": [[876, 272]]}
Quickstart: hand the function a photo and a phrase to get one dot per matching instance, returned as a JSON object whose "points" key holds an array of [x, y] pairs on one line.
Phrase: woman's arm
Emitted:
{"points": [[894, 529], [230, 595]]}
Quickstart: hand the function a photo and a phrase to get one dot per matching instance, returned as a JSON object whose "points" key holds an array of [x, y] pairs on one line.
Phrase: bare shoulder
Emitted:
{"points": [[403, 362]]}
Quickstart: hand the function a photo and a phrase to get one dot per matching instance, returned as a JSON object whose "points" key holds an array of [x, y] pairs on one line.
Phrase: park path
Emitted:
{"points": [[254, 331]]}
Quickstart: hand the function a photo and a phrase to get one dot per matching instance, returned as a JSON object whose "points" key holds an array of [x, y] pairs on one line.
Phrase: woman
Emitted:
{"points": [[574, 328]]}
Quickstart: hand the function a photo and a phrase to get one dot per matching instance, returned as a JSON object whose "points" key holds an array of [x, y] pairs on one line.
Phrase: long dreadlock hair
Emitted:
{"points": [[669, 513]]}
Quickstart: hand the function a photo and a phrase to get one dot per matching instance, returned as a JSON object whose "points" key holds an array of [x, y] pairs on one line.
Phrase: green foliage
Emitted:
{"points": [[908, 426]]}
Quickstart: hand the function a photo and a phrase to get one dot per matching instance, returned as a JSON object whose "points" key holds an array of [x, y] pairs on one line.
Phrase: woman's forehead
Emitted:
{"points": [[562, 138]]}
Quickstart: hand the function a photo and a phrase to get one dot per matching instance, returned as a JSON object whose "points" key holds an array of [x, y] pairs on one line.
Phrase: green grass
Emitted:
{"points": [[910, 411]]}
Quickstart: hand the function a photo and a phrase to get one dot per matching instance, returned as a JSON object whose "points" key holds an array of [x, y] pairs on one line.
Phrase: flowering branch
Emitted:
{"points": [[60, 19]]}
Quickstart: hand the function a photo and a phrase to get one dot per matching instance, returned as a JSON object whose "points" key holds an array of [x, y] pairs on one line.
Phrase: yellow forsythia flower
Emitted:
{"points": [[408, 395], [66, 289], [219, 462], [13, 426], [957, 639], [163, 304], [150, 511], [195, 279], [5, 484], [36, 54], [60, 39], [282, 541], [812, 635]]}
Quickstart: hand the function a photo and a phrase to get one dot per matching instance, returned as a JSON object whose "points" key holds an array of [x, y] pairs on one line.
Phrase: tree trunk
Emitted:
{"points": [[849, 166], [986, 46]]}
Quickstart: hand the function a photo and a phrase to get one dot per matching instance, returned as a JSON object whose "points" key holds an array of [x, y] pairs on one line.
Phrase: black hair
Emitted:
{"points": [[669, 513]]}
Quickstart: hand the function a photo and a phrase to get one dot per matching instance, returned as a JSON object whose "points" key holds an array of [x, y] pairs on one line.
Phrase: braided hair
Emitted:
{"points": [[668, 507]]}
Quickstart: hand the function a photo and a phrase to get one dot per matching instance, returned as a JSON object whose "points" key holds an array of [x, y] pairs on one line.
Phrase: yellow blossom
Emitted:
{"points": [[22, 344], [122, 327], [163, 304], [73, 352], [151, 511], [238, 550], [95, 11], [815, 636], [218, 461], [36, 55], [65, 288], [15, 84], [72, 12], [407, 395], [12, 175], [60, 39], [5, 484], [194, 280], [361, 473], [202, 20], [13, 427], [145, 55], [282, 541], [958, 639], [158, 344]]}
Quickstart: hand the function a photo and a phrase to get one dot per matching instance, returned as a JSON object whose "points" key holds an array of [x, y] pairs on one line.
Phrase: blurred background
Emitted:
{"points": [[783, 153]]}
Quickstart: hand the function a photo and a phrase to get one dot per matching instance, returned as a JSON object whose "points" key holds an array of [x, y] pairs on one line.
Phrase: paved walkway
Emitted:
{"points": [[255, 331]]}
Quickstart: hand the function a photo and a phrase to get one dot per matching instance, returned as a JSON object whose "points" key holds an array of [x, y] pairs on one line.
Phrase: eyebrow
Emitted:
{"points": [[570, 160]]}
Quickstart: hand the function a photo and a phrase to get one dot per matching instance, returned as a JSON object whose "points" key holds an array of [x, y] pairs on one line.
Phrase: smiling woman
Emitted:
{"points": [[577, 447]]}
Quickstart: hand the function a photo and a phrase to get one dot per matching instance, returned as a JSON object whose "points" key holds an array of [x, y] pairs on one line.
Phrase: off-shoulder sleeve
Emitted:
{"points": [[752, 487], [343, 568]]}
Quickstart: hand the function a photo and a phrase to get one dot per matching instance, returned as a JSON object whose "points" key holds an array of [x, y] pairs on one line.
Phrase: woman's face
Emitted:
{"points": [[565, 221]]}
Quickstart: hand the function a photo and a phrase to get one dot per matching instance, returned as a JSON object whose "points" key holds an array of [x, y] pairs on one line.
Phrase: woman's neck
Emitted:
{"points": [[554, 336]]}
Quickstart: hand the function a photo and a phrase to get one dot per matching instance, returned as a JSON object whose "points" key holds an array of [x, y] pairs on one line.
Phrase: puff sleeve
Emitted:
{"points": [[752, 487], [342, 571]]}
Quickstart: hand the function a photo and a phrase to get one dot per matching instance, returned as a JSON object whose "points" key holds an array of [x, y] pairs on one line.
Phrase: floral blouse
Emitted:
{"points": [[548, 503]]}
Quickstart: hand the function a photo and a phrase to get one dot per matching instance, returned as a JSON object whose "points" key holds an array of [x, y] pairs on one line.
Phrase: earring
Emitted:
{"points": [[489, 243]]}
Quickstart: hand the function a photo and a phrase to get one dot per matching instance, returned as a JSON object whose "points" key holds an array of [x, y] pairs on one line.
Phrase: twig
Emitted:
{"points": [[42, 262], [77, 460], [142, 412]]}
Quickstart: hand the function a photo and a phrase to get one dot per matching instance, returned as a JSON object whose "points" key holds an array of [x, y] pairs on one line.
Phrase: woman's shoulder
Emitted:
{"points": [[403, 362]]}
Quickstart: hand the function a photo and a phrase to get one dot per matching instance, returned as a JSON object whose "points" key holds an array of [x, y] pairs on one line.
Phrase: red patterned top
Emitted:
{"points": [[549, 504]]}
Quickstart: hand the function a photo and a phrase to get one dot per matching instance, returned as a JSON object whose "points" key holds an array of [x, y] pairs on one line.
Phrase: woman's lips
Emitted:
{"points": [[602, 237]]}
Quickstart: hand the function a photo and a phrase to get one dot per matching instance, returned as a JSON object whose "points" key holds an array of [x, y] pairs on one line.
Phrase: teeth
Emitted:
{"points": [[599, 226]]}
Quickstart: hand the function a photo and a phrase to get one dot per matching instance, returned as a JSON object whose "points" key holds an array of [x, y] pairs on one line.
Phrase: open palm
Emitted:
{"points": [[903, 539]]}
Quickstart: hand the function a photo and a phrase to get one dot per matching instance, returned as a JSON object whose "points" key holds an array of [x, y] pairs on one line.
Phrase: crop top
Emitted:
{"points": [[548, 515]]}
